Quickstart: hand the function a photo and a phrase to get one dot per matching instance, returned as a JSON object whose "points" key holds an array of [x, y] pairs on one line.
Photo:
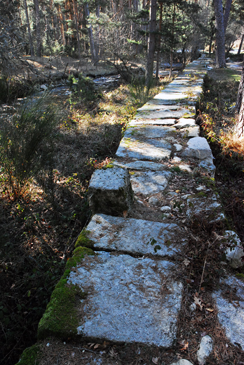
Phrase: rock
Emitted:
{"points": [[135, 236], [185, 122], [132, 148], [128, 299], [178, 147], [191, 132], [204, 207], [110, 191], [153, 200], [235, 253], [205, 349], [185, 167], [231, 310], [140, 165], [198, 147], [182, 362], [147, 183], [209, 166], [170, 121], [148, 132], [166, 208], [163, 114], [43, 87]]}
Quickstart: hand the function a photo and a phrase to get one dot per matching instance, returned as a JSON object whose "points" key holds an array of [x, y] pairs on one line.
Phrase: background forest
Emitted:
{"points": [[51, 141]]}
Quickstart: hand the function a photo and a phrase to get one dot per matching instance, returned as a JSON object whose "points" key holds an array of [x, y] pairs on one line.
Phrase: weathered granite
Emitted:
{"points": [[198, 147], [231, 311], [205, 349], [234, 253], [136, 122], [148, 132], [204, 208], [140, 165], [128, 300], [163, 114], [110, 191], [131, 148], [148, 183], [135, 236], [185, 122]]}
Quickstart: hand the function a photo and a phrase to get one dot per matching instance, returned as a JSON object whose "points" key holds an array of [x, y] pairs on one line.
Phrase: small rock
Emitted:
{"points": [[205, 349], [153, 200], [200, 188], [185, 167], [193, 307], [178, 147], [176, 159], [184, 197], [166, 208], [234, 253], [182, 362], [43, 87]]}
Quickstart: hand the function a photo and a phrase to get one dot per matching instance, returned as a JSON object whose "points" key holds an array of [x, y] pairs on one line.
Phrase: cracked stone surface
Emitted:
{"points": [[148, 183], [128, 300], [169, 121], [142, 150], [231, 314], [164, 114], [148, 132], [135, 236], [204, 208], [140, 165]]}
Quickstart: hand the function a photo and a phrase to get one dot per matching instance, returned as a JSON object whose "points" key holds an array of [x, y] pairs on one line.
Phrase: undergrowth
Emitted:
{"points": [[40, 225], [217, 119]]}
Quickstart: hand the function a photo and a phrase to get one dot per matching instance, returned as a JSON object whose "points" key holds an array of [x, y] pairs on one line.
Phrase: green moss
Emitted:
{"points": [[201, 194], [30, 356], [61, 318], [239, 275], [83, 240]]}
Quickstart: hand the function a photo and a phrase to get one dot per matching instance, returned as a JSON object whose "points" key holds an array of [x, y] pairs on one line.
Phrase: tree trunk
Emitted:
{"points": [[91, 37], [151, 43], [77, 27], [240, 91], [227, 12], [29, 30], [220, 33], [38, 29], [240, 106], [242, 39]]}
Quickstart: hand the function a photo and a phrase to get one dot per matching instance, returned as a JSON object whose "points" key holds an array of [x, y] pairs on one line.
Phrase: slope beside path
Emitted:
{"points": [[126, 282]]}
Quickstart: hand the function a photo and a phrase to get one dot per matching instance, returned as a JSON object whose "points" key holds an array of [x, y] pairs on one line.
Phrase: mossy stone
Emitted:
{"points": [[83, 240], [60, 318], [30, 356]]}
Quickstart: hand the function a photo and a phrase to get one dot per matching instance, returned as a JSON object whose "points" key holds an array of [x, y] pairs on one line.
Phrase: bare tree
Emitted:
{"points": [[240, 106], [151, 42]]}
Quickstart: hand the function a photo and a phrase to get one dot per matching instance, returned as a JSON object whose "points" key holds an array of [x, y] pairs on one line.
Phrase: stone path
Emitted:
{"points": [[126, 285]]}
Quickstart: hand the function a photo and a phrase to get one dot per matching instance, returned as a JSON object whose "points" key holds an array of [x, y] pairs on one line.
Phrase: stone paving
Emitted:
{"points": [[129, 287]]}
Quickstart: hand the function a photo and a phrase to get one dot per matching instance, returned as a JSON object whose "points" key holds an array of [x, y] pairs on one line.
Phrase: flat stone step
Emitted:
{"points": [[128, 299], [135, 236]]}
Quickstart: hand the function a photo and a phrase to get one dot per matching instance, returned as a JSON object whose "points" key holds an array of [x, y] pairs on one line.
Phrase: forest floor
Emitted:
{"points": [[38, 236]]}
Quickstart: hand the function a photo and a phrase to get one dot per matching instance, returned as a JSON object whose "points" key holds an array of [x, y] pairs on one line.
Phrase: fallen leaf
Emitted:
{"points": [[198, 302], [209, 309], [125, 212], [185, 347], [186, 262], [155, 360], [97, 345]]}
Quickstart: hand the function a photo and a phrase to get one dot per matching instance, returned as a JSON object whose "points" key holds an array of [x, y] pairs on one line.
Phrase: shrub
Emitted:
{"points": [[26, 143], [83, 90]]}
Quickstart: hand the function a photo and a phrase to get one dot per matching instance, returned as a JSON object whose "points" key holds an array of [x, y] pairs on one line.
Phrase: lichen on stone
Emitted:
{"points": [[61, 318]]}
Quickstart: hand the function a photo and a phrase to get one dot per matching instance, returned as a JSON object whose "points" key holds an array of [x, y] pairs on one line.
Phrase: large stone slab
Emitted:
{"points": [[163, 114], [231, 309], [202, 207], [198, 147], [144, 122], [135, 236], [150, 182], [148, 132], [140, 165], [132, 148], [110, 191], [128, 300]]}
